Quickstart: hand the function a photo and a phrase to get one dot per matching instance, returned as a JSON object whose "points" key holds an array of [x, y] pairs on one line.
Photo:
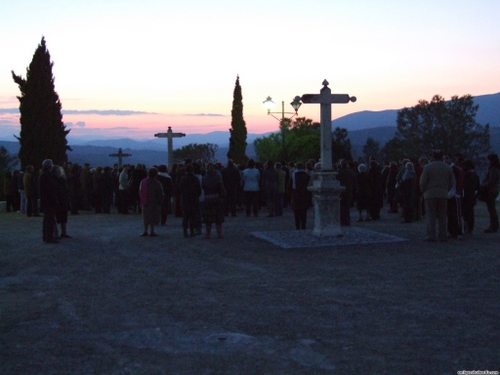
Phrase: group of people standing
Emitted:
{"points": [[209, 194], [54, 202], [450, 188], [445, 188]]}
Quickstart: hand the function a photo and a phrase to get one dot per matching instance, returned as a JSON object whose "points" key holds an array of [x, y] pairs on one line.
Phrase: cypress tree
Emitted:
{"points": [[43, 133], [238, 131]]}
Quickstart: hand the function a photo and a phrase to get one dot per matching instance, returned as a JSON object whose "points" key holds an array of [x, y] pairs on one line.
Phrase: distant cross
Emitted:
{"points": [[120, 155], [170, 151], [325, 98]]}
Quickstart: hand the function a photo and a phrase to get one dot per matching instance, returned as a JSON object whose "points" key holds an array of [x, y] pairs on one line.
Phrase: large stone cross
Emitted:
{"points": [[325, 98], [326, 189], [170, 151], [120, 155]]}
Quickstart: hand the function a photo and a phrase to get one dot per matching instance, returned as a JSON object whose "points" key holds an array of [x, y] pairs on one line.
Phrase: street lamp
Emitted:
{"points": [[269, 105]]}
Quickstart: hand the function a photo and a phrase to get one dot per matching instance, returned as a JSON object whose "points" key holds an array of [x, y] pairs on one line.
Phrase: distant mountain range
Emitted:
{"points": [[220, 138], [379, 125], [488, 112]]}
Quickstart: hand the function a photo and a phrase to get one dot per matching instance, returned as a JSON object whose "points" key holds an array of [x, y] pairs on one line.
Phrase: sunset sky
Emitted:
{"points": [[133, 68]]}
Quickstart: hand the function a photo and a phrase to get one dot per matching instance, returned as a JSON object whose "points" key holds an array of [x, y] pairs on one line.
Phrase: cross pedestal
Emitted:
{"points": [[326, 189], [120, 155], [170, 151]]}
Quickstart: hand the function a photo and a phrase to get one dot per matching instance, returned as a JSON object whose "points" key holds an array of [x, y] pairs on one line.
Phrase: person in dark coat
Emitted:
{"points": [[232, 182], [74, 188], [347, 178], [86, 186], [190, 190], [377, 199], [491, 185], [107, 190], [31, 191], [300, 196], [150, 198], [471, 186], [138, 174], [270, 181], [48, 201], [63, 200], [168, 189], [391, 187], [363, 192], [97, 189], [213, 209], [407, 190], [281, 189], [178, 171]]}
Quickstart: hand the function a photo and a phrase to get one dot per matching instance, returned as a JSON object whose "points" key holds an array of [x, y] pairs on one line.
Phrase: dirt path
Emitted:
{"points": [[110, 302]]}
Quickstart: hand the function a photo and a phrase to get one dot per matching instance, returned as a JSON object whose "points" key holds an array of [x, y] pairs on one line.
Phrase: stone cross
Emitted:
{"points": [[325, 98], [326, 189], [120, 155], [170, 151]]}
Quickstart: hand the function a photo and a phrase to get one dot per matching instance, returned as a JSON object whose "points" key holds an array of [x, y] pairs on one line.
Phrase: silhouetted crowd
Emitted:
{"points": [[208, 193]]}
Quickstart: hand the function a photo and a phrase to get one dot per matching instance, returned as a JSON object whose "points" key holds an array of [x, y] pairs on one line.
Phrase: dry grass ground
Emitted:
{"points": [[110, 302]]}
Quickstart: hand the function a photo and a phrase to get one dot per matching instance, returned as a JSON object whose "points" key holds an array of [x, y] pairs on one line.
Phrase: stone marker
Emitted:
{"points": [[326, 189], [170, 152]]}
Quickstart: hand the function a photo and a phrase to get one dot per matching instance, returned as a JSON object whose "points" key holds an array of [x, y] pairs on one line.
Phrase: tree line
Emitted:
{"points": [[449, 126]]}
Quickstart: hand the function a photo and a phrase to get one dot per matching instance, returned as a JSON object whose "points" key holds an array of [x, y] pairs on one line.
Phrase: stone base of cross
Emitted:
{"points": [[326, 199], [326, 189]]}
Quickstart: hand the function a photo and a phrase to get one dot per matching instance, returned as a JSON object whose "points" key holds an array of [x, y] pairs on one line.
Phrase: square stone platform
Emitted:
{"points": [[289, 239]]}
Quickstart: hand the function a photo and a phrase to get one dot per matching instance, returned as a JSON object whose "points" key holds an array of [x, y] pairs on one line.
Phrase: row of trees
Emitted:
{"points": [[194, 151], [439, 124]]}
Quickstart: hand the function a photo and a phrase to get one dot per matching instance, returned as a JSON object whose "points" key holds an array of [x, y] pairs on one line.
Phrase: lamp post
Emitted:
{"points": [[269, 105]]}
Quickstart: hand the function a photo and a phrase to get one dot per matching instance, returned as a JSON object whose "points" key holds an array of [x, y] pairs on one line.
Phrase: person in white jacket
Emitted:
{"points": [[251, 188]]}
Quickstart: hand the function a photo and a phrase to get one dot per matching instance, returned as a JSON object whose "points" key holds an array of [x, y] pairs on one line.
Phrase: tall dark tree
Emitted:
{"points": [[43, 133], [446, 125], [238, 131]]}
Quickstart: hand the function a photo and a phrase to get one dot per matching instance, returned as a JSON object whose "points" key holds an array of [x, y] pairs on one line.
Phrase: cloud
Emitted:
{"points": [[119, 128], [109, 112], [205, 115], [14, 111], [80, 124]]}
